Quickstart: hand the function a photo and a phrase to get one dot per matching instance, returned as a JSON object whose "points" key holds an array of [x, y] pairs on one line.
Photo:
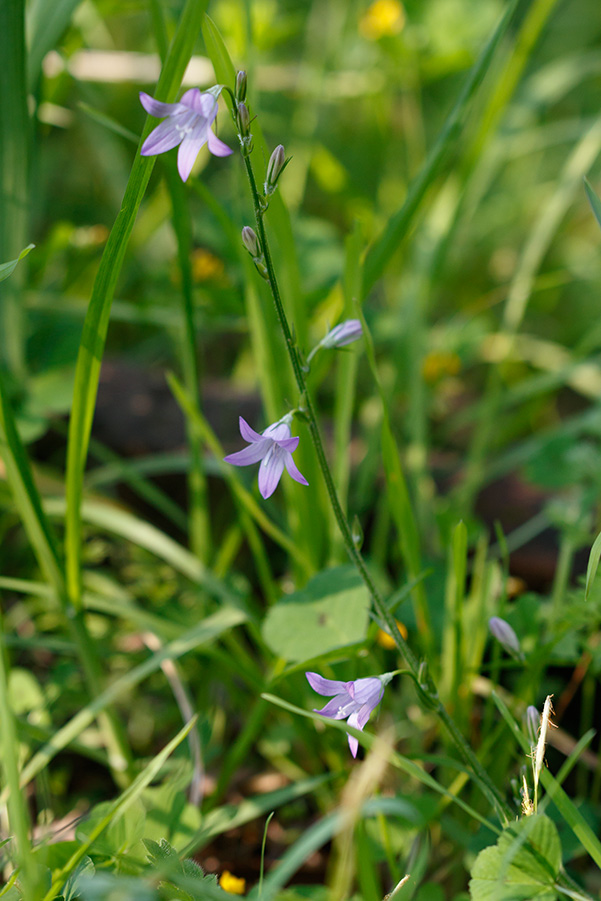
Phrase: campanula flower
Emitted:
{"points": [[274, 448], [345, 333], [355, 700], [505, 635], [187, 123]]}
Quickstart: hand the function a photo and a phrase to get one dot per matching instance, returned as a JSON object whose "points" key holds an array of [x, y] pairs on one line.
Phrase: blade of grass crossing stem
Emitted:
{"points": [[30, 876], [15, 142], [200, 531], [565, 806], [205, 632], [119, 806], [95, 327], [398, 226], [400, 502]]}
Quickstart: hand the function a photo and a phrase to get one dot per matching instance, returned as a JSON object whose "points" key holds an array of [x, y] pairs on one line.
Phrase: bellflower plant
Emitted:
{"points": [[506, 636], [187, 123], [342, 334], [274, 448], [355, 700]]}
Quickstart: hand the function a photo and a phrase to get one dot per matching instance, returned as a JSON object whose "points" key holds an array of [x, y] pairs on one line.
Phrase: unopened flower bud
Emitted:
{"points": [[505, 635], [243, 120], [532, 724], [240, 86], [250, 241], [275, 167], [345, 333]]}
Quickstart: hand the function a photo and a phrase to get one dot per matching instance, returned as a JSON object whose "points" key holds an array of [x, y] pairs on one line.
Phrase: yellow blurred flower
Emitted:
{"points": [[234, 885], [439, 363], [205, 266], [383, 18], [387, 641]]}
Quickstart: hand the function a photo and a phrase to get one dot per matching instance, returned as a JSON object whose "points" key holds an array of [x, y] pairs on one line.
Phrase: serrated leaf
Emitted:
{"points": [[7, 269], [523, 864], [84, 870], [330, 612]]}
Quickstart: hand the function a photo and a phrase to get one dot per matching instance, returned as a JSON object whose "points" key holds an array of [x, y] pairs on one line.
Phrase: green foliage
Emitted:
{"points": [[524, 863], [329, 612]]}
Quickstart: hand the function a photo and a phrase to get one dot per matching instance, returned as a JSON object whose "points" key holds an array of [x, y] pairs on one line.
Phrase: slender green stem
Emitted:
{"points": [[423, 681]]}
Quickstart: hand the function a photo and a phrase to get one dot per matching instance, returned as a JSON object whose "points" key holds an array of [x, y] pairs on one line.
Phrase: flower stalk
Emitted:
{"points": [[424, 684]]}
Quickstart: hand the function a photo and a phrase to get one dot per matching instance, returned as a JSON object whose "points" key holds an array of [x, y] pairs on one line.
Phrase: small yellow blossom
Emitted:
{"points": [[234, 885], [205, 266], [439, 363], [383, 18], [387, 641]]}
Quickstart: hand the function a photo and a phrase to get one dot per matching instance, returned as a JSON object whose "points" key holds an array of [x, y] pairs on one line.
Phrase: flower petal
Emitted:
{"points": [[277, 431], [353, 742], [292, 470], [251, 454], [367, 691], [287, 444], [203, 104], [338, 708], [325, 687], [247, 433], [270, 471], [217, 147], [157, 107], [363, 715], [190, 148], [162, 138]]}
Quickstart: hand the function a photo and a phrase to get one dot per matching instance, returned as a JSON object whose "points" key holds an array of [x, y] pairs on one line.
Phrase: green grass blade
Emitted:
{"points": [[207, 631], [46, 22], [593, 564], [97, 318], [594, 201], [7, 269], [225, 71], [398, 226], [15, 142], [119, 806]]}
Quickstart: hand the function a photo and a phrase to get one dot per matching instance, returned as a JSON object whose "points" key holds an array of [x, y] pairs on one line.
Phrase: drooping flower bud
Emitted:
{"points": [[240, 86], [250, 241], [532, 724], [505, 635], [275, 167], [345, 333]]}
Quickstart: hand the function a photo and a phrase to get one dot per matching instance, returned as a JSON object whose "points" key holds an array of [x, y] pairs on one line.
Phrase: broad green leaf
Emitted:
{"points": [[523, 864], [7, 269], [331, 611], [46, 22]]}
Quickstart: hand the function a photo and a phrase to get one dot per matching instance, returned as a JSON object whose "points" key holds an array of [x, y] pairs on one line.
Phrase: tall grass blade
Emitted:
{"points": [[398, 226], [97, 318], [46, 22], [15, 142]]}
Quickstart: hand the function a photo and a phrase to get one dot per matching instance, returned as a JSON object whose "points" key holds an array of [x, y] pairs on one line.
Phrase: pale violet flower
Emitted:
{"points": [[355, 700], [345, 333], [342, 334], [505, 635], [187, 123], [274, 448]]}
